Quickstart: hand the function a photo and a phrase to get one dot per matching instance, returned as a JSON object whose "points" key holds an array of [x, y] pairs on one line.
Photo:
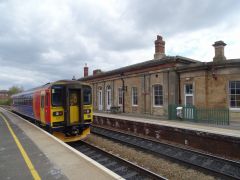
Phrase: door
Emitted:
{"points": [[188, 94], [74, 106], [188, 110], [109, 98], [47, 108], [100, 106], [42, 108]]}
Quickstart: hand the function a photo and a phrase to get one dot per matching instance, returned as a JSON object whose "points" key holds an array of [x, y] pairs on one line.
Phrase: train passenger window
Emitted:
{"points": [[87, 96], [57, 96]]}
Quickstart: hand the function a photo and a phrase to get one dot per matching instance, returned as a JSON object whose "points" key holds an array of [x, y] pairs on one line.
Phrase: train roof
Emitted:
{"points": [[47, 85]]}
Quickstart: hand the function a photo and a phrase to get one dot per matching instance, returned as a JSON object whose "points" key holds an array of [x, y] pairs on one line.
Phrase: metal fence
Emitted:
{"points": [[218, 116]]}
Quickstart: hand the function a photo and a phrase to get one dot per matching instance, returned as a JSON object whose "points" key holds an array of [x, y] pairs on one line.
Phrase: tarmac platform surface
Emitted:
{"points": [[28, 152]]}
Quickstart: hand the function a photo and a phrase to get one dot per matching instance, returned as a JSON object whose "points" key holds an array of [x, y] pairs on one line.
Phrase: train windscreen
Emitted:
{"points": [[87, 95], [57, 96]]}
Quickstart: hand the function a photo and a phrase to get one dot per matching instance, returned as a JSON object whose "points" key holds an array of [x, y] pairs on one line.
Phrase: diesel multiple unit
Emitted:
{"points": [[64, 108]]}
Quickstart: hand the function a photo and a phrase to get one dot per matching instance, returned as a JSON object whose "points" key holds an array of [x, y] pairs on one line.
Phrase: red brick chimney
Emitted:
{"points": [[85, 71], [159, 48], [97, 71], [219, 51]]}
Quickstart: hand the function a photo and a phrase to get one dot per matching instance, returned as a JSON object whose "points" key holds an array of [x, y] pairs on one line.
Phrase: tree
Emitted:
{"points": [[14, 90]]}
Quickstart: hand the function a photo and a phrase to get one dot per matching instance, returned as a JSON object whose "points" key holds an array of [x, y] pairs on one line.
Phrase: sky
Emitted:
{"points": [[48, 40]]}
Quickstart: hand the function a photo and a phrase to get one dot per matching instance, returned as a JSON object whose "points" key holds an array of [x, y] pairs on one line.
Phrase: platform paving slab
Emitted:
{"points": [[51, 158]]}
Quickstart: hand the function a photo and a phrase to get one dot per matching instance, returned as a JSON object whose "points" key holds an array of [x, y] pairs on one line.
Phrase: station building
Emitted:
{"points": [[149, 87], [4, 94]]}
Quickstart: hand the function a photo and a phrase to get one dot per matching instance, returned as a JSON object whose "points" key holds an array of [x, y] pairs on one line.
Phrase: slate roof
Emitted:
{"points": [[142, 65]]}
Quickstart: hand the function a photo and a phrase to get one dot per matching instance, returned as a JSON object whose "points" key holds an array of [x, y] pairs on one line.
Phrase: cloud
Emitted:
{"points": [[171, 17], [42, 41]]}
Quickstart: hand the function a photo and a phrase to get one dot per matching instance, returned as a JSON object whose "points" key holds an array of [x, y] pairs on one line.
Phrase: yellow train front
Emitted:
{"points": [[64, 108]]}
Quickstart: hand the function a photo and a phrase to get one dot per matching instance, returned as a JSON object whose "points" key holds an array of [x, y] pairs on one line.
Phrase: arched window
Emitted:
{"points": [[157, 95]]}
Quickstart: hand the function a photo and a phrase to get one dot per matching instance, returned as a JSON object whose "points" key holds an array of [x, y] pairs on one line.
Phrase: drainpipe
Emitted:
{"points": [[123, 92], [179, 89], [144, 87]]}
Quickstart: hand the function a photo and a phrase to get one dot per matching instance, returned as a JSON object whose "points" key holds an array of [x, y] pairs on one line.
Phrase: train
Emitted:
{"points": [[63, 108]]}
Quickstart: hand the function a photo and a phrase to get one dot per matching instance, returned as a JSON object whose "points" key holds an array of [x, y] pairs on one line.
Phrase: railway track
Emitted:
{"points": [[124, 168], [221, 167]]}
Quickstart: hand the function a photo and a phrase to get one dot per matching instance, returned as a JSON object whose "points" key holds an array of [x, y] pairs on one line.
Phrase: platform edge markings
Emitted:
{"points": [[21, 149], [114, 175]]}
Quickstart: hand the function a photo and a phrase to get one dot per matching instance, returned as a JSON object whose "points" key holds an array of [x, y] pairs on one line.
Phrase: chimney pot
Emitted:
{"points": [[159, 48]]}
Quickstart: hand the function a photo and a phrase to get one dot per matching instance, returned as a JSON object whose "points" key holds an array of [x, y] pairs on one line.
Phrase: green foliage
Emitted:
{"points": [[12, 90], [15, 90], [5, 102]]}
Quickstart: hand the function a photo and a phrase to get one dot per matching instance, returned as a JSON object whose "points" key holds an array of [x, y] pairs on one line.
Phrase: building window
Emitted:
{"points": [[100, 100], [234, 93], [188, 94], [134, 96], [120, 96], [109, 97], [157, 95]]}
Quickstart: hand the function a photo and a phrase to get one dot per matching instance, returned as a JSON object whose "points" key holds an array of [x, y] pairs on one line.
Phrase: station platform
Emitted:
{"points": [[230, 130], [218, 140], [28, 152]]}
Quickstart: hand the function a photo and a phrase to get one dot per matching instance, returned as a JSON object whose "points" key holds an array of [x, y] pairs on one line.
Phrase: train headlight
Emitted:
{"points": [[87, 111], [57, 113]]}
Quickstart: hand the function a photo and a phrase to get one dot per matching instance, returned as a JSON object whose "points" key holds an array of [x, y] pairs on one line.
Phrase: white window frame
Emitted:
{"points": [[153, 98], [134, 95], [100, 99], [108, 97], [189, 94], [229, 97], [120, 95]]}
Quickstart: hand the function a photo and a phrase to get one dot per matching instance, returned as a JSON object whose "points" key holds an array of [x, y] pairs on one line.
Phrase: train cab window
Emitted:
{"points": [[74, 98], [87, 95], [57, 96]]}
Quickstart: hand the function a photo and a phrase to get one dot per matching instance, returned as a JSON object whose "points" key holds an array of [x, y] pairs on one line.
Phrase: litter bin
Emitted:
{"points": [[179, 112]]}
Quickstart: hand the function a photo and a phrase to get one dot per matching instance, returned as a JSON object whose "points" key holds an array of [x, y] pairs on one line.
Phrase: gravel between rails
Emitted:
{"points": [[158, 165]]}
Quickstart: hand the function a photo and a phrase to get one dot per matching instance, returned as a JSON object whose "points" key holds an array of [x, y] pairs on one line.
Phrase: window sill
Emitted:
{"points": [[234, 109], [160, 106]]}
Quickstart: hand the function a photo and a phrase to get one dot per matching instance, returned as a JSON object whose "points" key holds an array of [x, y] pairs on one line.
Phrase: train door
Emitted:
{"points": [[42, 107], [74, 105], [47, 107]]}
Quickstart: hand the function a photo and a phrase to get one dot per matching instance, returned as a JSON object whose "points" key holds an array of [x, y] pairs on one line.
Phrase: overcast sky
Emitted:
{"points": [[48, 40]]}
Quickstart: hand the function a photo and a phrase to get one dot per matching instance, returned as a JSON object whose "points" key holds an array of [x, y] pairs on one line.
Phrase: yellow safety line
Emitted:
{"points": [[23, 152]]}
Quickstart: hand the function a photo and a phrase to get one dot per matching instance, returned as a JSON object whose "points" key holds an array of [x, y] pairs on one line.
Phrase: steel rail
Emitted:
{"points": [[120, 166], [217, 165]]}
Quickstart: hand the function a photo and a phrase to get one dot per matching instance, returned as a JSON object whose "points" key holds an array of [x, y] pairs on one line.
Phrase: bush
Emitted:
{"points": [[5, 102]]}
